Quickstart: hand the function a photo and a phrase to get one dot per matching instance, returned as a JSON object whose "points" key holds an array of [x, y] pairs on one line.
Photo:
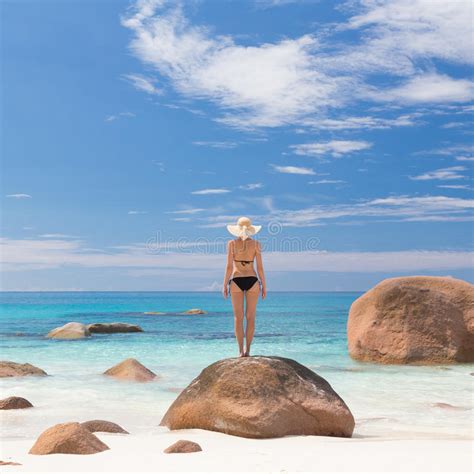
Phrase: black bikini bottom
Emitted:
{"points": [[245, 283]]}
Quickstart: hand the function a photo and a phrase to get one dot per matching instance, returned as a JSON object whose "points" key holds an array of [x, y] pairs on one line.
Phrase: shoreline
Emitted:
{"points": [[225, 453]]}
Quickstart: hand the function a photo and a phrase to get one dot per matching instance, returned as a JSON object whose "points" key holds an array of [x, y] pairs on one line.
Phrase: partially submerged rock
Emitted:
{"points": [[14, 369], [131, 369], [108, 328], [14, 403], [68, 438], [260, 397], [9, 463], [70, 331], [424, 320], [154, 312], [194, 311], [102, 426], [183, 446]]}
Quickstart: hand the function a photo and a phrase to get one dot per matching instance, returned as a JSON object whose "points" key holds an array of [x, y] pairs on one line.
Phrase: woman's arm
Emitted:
{"points": [[261, 273], [228, 270]]}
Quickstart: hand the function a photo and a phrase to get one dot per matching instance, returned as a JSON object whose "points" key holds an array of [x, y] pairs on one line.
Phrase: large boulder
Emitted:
{"points": [[68, 438], [70, 331], [14, 369], [103, 426], [108, 328], [424, 320], [260, 397], [14, 403], [131, 369]]}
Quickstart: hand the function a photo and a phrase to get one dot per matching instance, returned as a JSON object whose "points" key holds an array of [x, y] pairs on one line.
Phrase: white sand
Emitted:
{"points": [[223, 453]]}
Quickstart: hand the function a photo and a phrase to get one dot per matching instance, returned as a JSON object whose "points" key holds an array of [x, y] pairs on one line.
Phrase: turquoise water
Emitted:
{"points": [[393, 401]]}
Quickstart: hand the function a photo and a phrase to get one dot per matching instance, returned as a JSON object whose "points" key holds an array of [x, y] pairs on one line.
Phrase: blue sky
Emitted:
{"points": [[132, 132]]}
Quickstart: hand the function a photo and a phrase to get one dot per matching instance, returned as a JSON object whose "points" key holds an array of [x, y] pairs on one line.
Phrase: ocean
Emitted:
{"points": [[387, 401]]}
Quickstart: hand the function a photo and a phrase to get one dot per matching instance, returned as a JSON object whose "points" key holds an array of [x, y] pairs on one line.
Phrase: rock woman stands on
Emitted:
{"points": [[242, 281]]}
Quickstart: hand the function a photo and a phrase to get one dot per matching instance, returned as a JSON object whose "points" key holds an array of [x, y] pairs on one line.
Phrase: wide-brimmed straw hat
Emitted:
{"points": [[244, 228]]}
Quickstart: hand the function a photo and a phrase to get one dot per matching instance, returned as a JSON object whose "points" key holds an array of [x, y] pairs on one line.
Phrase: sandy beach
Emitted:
{"points": [[223, 453]]}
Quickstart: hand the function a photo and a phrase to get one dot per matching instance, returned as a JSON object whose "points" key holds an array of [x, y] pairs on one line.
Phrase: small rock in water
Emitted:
{"points": [[102, 426], [183, 446], [14, 403], [14, 369], [70, 331], [131, 369], [9, 463], [153, 312], [67, 438], [108, 328], [195, 311]]}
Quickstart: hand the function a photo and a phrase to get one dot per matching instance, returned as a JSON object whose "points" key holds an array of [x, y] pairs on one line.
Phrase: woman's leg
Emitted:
{"points": [[251, 297], [237, 296]]}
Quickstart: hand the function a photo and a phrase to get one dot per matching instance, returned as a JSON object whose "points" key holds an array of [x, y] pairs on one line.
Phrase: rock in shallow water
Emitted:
{"points": [[14, 369], [68, 438], [109, 328], [70, 331], [102, 426], [131, 369], [260, 397], [194, 311], [424, 320], [14, 403], [183, 446]]}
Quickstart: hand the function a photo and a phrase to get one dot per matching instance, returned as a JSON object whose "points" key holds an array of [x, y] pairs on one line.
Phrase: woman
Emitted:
{"points": [[241, 278]]}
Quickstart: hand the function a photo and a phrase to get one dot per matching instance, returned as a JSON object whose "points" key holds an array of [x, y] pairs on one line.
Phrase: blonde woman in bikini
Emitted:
{"points": [[242, 281]]}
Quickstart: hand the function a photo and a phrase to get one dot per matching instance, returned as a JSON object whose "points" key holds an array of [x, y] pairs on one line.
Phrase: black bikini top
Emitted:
{"points": [[244, 262]]}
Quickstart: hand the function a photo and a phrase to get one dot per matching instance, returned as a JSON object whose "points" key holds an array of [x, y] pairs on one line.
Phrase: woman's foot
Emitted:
{"points": [[242, 354], [247, 353]]}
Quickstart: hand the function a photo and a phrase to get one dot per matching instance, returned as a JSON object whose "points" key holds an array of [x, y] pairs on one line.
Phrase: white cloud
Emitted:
{"points": [[336, 148], [454, 186], [112, 118], [454, 125], [448, 150], [133, 213], [389, 209], [220, 145], [293, 170], [327, 181], [266, 85], [214, 286], [304, 78], [18, 196], [211, 191], [417, 29], [427, 88], [193, 210], [58, 236], [464, 158], [28, 255], [143, 83], [251, 186], [360, 123], [452, 172]]}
